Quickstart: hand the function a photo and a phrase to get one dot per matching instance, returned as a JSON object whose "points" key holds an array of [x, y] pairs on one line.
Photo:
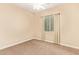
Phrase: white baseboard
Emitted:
{"points": [[48, 41], [69, 46], [14, 43], [24, 40], [19, 41], [37, 37]]}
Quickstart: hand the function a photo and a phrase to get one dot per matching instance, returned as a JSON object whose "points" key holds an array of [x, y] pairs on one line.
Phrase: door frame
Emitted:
{"points": [[58, 32]]}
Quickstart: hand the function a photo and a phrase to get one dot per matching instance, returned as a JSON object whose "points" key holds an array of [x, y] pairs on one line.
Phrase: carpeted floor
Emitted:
{"points": [[38, 47]]}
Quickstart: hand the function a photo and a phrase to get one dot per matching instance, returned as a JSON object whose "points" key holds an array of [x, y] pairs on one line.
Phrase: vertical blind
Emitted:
{"points": [[49, 23]]}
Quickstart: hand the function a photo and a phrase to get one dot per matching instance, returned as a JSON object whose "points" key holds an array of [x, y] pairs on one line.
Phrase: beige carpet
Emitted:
{"points": [[38, 47]]}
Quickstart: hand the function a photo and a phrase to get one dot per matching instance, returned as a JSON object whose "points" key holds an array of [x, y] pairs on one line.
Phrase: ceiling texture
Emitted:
{"points": [[30, 6]]}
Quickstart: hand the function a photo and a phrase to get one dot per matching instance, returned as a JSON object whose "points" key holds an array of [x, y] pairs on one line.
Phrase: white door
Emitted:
{"points": [[52, 35]]}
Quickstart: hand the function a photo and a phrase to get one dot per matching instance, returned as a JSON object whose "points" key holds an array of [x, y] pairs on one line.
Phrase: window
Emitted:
{"points": [[49, 23]]}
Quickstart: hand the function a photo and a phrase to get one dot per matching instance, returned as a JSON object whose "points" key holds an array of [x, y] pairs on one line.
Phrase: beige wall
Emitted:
{"points": [[16, 25], [37, 26], [70, 22]]}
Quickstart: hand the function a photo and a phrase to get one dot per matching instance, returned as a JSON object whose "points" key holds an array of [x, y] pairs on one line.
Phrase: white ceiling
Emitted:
{"points": [[29, 6]]}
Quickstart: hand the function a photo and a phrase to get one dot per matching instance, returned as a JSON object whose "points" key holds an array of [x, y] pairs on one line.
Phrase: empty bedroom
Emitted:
{"points": [[39, 28]]}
